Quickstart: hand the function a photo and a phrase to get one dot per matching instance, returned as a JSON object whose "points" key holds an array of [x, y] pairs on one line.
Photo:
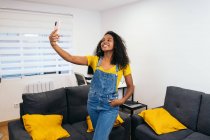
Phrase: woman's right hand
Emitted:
{"points": [[54, 37]]}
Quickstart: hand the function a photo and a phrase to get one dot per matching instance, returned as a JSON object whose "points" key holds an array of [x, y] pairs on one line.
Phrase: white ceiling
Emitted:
{"points": [[99, 5]]}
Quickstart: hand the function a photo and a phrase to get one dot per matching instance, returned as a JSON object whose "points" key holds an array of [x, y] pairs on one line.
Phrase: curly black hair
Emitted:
{"points": [[120, 56]]}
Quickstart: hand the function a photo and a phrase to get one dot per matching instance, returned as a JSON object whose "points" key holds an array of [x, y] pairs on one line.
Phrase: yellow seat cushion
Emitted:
{"points": [[44, 127], [118, 122], [161, 121]]}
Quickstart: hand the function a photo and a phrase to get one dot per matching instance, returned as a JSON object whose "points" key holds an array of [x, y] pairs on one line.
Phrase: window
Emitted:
{"points": [[24, 46]]}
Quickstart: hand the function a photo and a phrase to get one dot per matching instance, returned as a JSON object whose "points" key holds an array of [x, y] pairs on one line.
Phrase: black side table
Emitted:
{"points": [[133, 105]]}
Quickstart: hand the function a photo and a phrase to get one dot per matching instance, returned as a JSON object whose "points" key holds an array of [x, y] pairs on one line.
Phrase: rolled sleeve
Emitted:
{"points": [[92, 61], [127, 70]]}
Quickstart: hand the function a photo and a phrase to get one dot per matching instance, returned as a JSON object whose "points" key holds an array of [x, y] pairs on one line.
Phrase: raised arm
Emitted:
{"points": [[80, 60]]}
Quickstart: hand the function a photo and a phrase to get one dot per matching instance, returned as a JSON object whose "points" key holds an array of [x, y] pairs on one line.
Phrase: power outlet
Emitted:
{"points": [[16, 105]]}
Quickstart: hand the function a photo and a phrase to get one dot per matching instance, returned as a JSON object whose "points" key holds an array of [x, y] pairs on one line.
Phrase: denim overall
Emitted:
{"points": [[102, 114]]}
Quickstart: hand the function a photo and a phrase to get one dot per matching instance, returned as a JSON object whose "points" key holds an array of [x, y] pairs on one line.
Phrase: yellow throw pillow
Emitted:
{"points": [[118, 122], [44, 127], [161, 121], [89, 124]]}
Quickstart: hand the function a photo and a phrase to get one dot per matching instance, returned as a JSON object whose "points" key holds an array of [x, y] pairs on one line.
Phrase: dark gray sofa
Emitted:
{"points": [[192, 108], [71, 103]]}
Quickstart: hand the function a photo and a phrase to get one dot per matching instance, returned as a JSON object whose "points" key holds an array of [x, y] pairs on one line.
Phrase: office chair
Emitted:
{"points": [[80, 79]]}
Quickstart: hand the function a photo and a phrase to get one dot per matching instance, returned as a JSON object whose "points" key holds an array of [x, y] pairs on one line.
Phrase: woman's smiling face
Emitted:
{"points": [[107, 43]]}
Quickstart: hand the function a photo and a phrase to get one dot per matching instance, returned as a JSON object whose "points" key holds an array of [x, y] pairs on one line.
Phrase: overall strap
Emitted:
{"points": [[99, 61], [117, 68]]}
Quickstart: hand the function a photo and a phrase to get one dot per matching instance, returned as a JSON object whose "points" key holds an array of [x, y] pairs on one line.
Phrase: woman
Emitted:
{"points": [[109, 64]]}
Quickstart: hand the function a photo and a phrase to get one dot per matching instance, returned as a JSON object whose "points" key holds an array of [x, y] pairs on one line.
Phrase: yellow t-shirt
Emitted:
{"points": [[93, 61]]}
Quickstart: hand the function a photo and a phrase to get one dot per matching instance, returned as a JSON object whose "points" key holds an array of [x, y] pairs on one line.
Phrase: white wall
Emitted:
{"points": [[168, 43], [87, 32]]}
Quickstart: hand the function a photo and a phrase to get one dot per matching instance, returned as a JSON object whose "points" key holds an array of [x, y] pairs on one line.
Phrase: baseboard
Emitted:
{"points": [[6, 122]]}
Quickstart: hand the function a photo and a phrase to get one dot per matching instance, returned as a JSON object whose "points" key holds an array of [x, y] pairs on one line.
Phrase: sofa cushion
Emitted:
{"points": [[197, 136], [81, 127], [204, 115], [144, 132], [77, 103], [117, 133], [16, 131], [50, 102], [75, 135], [184, 105]]}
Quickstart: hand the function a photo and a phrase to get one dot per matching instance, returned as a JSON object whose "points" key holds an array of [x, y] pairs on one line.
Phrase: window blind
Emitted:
{"points": [[24, 45]]}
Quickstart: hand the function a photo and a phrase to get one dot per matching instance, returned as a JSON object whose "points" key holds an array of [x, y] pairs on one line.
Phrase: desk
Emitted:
{"points": [[132, 105]]}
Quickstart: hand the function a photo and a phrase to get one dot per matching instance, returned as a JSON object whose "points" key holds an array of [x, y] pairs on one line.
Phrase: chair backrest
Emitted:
{"points": [[80, 79]]}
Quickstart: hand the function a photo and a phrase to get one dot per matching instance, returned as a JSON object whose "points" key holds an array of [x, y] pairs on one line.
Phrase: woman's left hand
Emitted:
{"points": [[116, 102]]}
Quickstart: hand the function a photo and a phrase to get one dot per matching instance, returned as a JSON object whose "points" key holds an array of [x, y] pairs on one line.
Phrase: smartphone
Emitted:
{"points": [[57, 26]]}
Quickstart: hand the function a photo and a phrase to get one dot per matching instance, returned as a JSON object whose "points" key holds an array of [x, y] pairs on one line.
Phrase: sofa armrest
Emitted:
{"points": [[17, 131], [127, 124], [135, 121]]}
